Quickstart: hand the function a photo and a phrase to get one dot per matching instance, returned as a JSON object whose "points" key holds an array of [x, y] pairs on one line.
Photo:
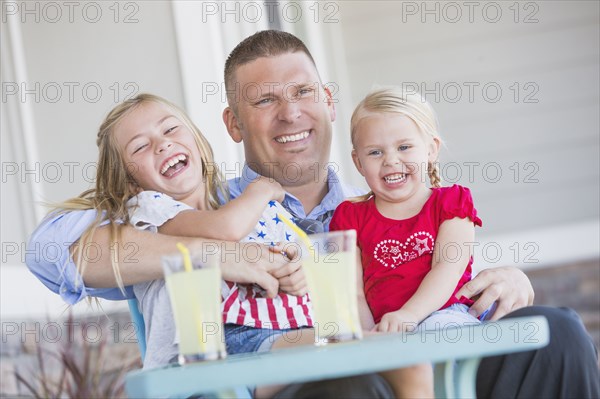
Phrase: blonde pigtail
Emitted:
{"points": [[434, 174], [361, 198]]}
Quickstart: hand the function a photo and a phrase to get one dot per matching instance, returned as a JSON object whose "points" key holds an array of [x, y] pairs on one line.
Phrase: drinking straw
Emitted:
{"points": [[185, 253], [303, 236]]}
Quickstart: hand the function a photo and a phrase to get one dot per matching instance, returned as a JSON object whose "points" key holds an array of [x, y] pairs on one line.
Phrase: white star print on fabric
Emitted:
{"points": [[421, 246], [393, 253]]}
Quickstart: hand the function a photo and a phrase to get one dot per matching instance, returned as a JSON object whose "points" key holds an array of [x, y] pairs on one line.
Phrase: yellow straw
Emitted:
{"points": [[187, 260], [303, 236]]}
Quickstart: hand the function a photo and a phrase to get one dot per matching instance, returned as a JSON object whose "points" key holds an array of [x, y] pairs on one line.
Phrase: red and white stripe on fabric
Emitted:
{"points": [[245, 304]]}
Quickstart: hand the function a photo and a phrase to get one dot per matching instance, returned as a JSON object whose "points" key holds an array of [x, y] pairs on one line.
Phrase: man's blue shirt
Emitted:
{"points": [[337, 192], [49, 259]]}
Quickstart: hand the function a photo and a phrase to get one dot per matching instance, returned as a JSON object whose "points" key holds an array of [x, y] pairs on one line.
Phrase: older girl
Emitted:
{"points": [[156, 171]]}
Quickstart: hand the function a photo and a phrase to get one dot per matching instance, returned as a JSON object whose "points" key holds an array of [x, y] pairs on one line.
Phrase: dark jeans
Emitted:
{"points": [[566, 368]]}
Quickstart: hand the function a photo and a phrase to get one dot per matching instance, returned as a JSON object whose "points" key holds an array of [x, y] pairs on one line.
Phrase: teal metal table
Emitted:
{"points": [[455, 352]]}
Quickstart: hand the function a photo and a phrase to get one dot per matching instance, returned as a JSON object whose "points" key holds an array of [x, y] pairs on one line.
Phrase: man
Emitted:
{"points": [[280, 111]]}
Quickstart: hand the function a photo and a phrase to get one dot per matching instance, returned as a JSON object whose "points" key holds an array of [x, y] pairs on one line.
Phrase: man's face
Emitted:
{"points": [[283, 116]]}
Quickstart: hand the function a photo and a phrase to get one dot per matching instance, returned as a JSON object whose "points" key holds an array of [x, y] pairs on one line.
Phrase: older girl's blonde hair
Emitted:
{"points": [[410, 104], [114, 182]]}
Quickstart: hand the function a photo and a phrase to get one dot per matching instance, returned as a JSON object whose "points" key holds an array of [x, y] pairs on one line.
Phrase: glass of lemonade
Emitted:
{"points": [[196, 303], [330, 270]]}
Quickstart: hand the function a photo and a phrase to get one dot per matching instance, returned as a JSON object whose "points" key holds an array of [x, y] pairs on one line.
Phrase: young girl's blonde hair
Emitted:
{"points": [[115, 185], [410, 104]]}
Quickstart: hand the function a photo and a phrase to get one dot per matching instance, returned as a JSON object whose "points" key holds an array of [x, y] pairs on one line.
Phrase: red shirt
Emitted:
{"points": [[397, 254]]}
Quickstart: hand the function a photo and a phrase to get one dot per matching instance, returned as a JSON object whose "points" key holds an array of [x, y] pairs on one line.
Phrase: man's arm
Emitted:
{"points": [[51, 245], [49, 259], [508, 286], [139, 258]]}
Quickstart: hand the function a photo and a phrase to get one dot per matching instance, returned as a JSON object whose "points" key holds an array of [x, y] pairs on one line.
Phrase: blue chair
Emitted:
{"points": [[454, 352], [138, 324]]}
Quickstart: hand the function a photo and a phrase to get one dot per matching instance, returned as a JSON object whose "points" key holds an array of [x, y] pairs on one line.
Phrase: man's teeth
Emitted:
{"points": [[398, 177], [172, 162], [293, 137]]}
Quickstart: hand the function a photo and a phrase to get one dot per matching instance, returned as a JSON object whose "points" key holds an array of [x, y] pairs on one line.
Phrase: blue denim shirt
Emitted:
{"points": [[336, 194], [48, 256], [49, 259]]}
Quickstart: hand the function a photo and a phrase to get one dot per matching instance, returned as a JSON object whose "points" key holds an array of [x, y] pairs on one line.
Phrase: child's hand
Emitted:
{"points": [[265, 184], [399, 321], [291, 276]]}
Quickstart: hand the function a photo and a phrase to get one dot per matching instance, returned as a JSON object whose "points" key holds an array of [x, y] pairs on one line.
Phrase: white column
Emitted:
{"points": [[18, 127]]}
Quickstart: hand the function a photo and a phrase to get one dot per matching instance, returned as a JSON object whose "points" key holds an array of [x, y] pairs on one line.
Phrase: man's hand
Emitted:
{"points": [[508, 286], [290, 276], [399, 321], [252, 263]]}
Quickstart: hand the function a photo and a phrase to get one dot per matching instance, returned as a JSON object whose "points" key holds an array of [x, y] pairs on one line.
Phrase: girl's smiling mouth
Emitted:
{"points": [[395, 178], [173, 164]]}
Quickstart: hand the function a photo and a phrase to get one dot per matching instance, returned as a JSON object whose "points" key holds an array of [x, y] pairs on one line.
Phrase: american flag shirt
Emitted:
{"points": [[243, 304]]}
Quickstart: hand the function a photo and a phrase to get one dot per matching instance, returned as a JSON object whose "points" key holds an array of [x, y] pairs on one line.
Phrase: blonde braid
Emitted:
{"points": [[361, 198], [434, 175]]}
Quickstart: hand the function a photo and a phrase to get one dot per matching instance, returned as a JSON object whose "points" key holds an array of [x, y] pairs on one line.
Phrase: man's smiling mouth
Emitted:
{"points": [[290, 138]]}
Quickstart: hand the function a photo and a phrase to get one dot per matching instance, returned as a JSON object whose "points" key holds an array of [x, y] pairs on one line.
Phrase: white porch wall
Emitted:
{"points": [[552, 140], [364, 44], [122, 50]]}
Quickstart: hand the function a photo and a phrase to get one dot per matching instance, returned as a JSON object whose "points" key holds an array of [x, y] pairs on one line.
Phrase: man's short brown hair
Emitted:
{"points": [[266, 43]]}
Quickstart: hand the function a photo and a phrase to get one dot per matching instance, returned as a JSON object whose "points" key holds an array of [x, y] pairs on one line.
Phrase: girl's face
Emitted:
{"points": [[161, 153], [392, 154]]}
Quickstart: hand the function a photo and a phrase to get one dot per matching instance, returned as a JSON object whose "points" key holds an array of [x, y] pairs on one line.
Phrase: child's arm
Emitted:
{"points": [[231, 222], [450, 259], [364, 312]]}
